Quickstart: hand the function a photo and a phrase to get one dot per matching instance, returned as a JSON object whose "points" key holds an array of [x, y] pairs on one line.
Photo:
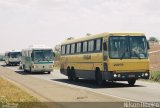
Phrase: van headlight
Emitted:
{"points": [[34, 66]]}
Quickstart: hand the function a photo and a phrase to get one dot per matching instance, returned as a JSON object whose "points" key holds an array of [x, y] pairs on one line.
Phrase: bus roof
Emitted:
{"points": [[13, 51], [38, 47], [72, 40]]}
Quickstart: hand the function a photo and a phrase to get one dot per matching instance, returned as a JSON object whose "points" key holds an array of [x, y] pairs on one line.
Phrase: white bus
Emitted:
{"points": [[37, 58], [12, 58]]}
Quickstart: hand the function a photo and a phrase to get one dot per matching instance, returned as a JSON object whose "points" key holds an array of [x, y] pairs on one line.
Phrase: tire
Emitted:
{"points": [[24, 68], [132, 82], [99, 79], [69, 74], [73, 74], [30, 70], [49, 72]]}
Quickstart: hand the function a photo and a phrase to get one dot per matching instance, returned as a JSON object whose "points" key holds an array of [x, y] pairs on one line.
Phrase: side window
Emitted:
{"points": [[98, 44], [28, 54], [78, 47], [91, 45], [85, 46], [68, 49], [63, 49], [73, 48]]}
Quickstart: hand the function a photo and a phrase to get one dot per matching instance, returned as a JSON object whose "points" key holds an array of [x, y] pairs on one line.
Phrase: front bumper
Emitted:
{"points": [[125, 76], [14, 62], [42, 68]]}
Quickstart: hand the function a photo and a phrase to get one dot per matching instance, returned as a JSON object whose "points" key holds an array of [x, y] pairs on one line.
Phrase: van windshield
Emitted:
{"points": [[42, 55], [15, 54], [125, 47]]}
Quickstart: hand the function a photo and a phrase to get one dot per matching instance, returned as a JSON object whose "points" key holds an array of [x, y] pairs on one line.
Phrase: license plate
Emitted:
{"points": [[131, 76]]}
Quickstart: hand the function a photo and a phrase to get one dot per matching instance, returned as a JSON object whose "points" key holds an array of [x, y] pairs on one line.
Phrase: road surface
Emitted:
{"points": [[142, 91]]}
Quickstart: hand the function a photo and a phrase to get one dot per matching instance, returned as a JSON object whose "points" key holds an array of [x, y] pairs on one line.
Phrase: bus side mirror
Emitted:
{"points": [[54, 54], [32, 56], [148, 45]]}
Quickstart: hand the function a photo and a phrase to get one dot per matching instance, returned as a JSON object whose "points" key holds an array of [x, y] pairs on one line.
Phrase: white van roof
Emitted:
{"points": [[39, 47]]}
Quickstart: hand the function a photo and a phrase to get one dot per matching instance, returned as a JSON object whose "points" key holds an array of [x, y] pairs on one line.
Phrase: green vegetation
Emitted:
{"points": [[153, 39], [57, 51], [11, 95], [155, 76]]}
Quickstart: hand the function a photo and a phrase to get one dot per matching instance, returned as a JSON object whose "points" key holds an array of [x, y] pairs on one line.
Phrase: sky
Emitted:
{"points": [[50, 22]]}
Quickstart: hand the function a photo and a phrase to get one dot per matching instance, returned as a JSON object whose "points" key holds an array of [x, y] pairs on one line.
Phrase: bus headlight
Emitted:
{"points": [[142, 74], [115, 75], [146, 74], [119, 75], [32, 66]]}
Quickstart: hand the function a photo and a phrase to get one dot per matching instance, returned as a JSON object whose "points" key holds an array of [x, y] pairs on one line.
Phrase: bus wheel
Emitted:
{"points": [[132, 82], [30, 70], [24, 68], [99, 79], [73, 74], [69, 74]]}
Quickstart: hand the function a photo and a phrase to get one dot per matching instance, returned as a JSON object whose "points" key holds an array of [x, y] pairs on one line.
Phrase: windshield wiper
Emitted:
{"points": [[123, 55]]}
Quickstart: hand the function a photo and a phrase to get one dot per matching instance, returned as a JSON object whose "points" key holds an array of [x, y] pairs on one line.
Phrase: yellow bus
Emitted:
{"points": [[106, 57]]}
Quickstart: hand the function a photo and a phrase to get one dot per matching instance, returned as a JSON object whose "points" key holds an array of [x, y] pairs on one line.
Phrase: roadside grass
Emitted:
{"points": [[155, 76], [10, 95]]}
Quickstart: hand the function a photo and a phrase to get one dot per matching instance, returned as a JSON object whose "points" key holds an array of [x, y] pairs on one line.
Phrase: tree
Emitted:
{"points": [[57, 51], [153, 39], [88, 34]]}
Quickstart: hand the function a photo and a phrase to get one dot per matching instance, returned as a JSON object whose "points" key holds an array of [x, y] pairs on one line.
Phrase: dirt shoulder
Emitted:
{"points": [[52, 92], [154, 58]]}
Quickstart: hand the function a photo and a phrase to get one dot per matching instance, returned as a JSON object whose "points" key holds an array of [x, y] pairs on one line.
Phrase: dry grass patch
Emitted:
{"points": [[9, 94]]}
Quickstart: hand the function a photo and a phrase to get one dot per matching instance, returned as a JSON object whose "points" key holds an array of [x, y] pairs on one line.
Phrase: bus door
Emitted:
{"points": [[105, 54]]}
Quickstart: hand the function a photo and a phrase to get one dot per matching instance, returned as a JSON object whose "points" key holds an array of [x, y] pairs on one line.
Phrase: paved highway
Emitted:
{"points": [[142, 91]]}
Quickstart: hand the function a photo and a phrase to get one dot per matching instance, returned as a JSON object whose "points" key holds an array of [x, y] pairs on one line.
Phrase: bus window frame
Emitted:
{"points": [[129, 46], [63, 53], [74, 50], [81, 42]]}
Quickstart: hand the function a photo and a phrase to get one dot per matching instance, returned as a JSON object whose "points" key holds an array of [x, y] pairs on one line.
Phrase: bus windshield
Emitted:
{"points": [[42, 55], [14, 54], [126, 47]]}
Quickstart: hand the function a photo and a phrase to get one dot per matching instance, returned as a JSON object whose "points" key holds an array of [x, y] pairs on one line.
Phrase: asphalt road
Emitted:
{"points": [[142, 91]]}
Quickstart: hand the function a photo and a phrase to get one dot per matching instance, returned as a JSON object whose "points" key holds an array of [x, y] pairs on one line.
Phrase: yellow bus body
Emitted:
{"points": [[85, 64]]}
